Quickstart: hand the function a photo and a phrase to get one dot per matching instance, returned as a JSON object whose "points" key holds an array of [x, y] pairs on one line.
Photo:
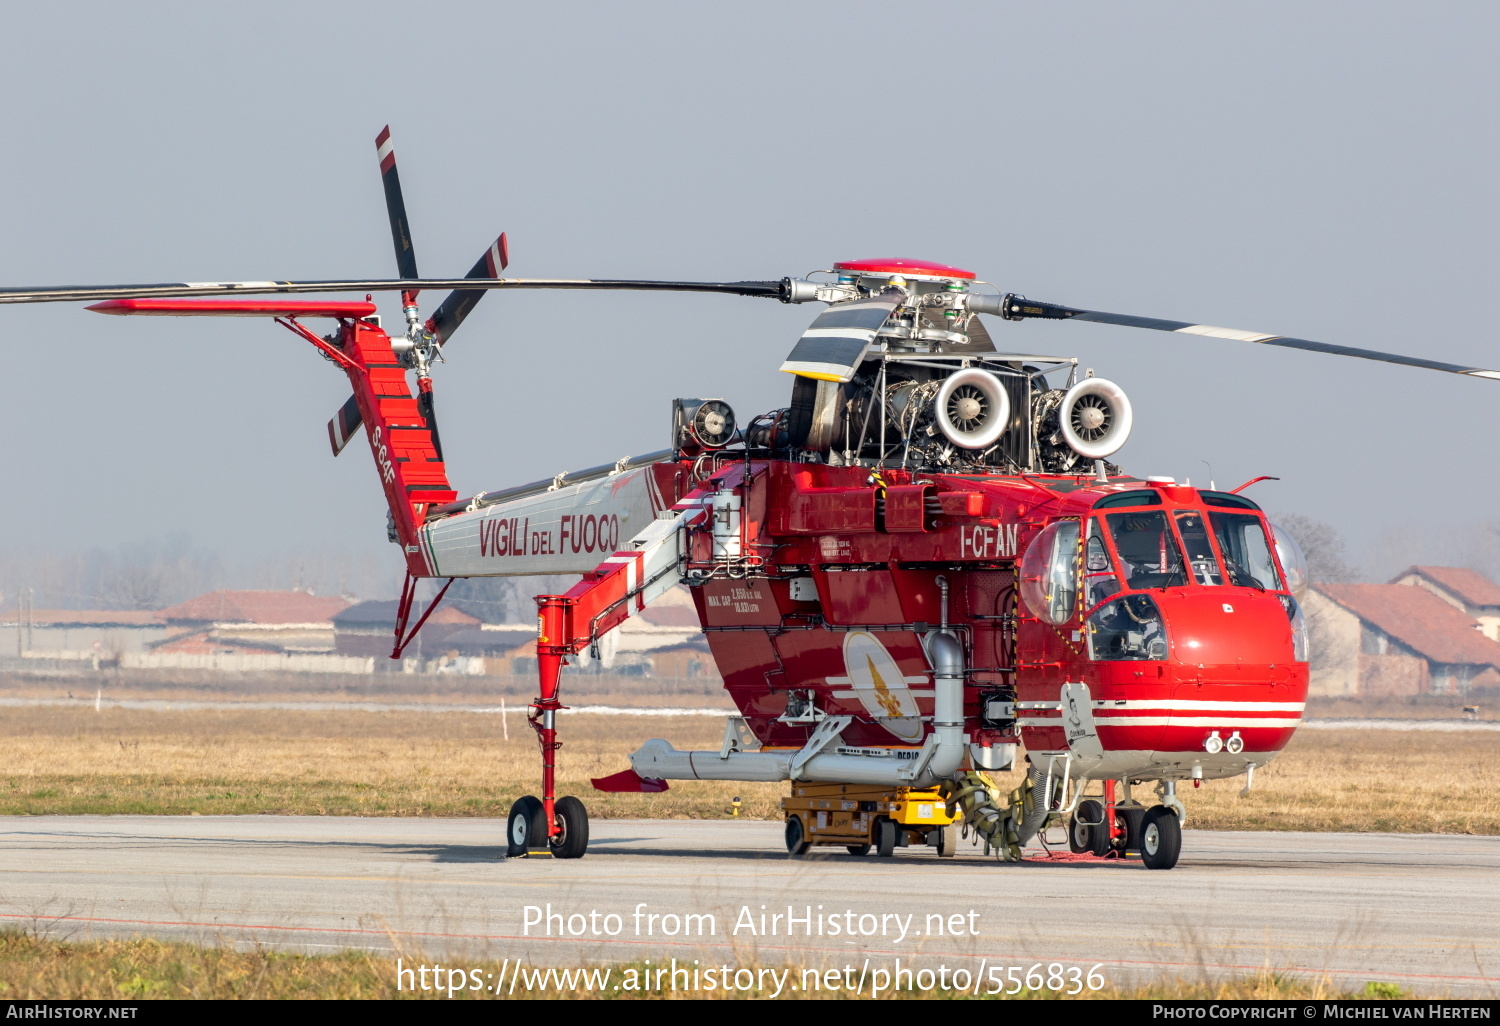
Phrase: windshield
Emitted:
{"points": [[1148, 552], [1242, 539], [1199, 549]]}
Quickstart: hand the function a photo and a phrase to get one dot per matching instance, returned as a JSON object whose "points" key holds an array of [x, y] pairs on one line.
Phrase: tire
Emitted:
{"points": [[1132, 815], [526, 826], [858, 849], [572, 840], [886, 833], [1087, 828], [945, 840], [797, 843], [1161, 838]]}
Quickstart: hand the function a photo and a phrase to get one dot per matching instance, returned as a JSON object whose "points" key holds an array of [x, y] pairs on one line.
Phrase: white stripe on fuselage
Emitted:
{"points": [[1170, 721]]}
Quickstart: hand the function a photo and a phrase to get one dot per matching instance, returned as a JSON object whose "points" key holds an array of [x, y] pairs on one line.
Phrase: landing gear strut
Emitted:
{"points": [[553, 826]]}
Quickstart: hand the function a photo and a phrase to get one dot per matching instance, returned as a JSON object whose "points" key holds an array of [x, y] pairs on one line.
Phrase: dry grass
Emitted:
{"points": [[1414, 781], [35, 968], [1416, 707], [73, 760], [459, 689]]}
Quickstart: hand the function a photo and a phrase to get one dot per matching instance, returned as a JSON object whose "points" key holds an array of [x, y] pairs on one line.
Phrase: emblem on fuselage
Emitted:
{"points": [[880, 686]]}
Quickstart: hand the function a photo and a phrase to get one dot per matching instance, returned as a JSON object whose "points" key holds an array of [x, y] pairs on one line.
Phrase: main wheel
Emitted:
{"points": [[526, 826], [945, 840], [1161, 838], [796, 838], [1133, 817], [858, 849], [1087, 829], [886, 833], [572, 839]]}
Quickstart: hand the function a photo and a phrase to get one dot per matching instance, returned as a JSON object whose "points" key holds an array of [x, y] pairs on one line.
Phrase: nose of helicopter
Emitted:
{"points": [[1238, 632]]}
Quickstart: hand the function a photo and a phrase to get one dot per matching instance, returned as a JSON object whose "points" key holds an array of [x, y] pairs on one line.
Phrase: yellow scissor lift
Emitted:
{"points": [[860, 818]]}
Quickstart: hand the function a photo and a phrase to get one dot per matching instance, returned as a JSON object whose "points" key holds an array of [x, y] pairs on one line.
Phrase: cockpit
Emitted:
{"points": [[1106, 568]]}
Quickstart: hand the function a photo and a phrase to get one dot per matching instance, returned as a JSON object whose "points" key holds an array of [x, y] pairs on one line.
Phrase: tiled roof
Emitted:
{"points": [[1419, 620], [88, 618], [384, 614], [1472, 587], [268, 607]]}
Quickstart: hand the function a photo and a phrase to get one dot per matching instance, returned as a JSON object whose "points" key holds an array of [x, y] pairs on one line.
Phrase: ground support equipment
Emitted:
{"points": [[860, 818]]}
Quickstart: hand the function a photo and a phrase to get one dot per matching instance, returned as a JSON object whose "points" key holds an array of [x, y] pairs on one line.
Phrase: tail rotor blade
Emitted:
{"points": [[429, 413], [344, 424], [446, 319], [406, 257]]}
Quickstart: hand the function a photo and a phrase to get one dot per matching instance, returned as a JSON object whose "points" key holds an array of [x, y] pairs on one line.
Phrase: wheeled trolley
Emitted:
{"points": [[862, 818]]}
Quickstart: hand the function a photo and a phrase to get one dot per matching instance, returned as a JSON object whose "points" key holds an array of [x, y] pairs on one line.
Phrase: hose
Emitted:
{"points": [[1004, 825], [1033, 800]]}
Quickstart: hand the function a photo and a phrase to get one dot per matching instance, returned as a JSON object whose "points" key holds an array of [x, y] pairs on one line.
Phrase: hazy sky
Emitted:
{"points": [[1320, 169]]}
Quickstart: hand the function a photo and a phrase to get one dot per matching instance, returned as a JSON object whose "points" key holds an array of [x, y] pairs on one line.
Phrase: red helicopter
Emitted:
{"points": [[922, 563]]}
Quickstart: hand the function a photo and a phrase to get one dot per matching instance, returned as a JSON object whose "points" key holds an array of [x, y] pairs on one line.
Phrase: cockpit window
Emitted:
{"points": [[1138, 498], [1227, 499], [1200, 550], [1247, 555], [1099, 580], [1049, 572], [1148, 552]]}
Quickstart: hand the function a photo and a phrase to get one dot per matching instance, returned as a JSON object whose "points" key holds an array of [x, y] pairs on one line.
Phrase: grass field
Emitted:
{"points": [[34, 968], [76, 760]]}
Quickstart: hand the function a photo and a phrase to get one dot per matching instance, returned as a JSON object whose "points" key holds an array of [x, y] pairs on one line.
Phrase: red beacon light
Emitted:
{"points": [[905, 268]]}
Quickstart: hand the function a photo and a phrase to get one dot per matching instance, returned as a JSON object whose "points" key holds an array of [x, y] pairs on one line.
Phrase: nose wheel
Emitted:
{"points": [[526, 829], [572, 838]]}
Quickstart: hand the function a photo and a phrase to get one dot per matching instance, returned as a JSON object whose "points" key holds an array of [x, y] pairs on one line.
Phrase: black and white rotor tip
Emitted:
{"points": [[342, 428], [395, 205], [458, 303], [1019, 308]]}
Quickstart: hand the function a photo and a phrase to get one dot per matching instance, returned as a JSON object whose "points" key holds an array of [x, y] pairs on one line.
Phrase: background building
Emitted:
{"points": [[1415, 636]]}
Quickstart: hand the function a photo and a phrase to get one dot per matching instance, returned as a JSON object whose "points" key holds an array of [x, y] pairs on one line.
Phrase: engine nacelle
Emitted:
{"points": [[705, 423], [972, 409], [1095, 418]]}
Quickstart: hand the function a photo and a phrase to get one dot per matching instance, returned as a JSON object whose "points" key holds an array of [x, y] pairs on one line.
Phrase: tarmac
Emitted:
{"points": [[1420, 910]]}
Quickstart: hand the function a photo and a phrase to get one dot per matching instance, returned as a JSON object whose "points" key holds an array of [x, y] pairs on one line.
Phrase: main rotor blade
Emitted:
{"points": [[395, 206], [446, 319], [834, 344], [1018, 308], [79, 294]]}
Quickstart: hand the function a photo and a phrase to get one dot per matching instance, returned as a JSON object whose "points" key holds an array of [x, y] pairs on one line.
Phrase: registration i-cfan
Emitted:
{"points": [[920, 575]]}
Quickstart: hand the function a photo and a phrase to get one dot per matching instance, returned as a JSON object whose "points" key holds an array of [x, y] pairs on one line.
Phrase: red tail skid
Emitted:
{"points": [[403, 612]]}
